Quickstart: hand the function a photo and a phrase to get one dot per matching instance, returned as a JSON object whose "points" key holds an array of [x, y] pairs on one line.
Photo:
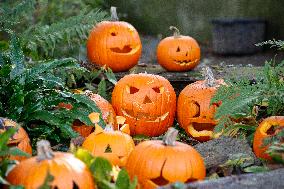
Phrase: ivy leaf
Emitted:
{"points": [[123, 180], [256, 169], [101, 169], [5, 136], [110, 76], [102, 88]]}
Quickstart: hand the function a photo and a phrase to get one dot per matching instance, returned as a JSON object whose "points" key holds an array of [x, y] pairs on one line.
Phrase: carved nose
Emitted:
{"points": [[147, 100]]}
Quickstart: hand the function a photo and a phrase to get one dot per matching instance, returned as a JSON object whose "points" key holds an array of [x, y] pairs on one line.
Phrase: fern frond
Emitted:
{"points": [[273, 43]]}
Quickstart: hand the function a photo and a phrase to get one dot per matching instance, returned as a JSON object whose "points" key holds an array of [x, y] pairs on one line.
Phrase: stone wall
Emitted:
{"points": [[193, 17]]}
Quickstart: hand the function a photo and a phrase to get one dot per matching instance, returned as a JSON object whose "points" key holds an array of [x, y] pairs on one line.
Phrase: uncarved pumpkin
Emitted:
{"points": [[20, 139], [68, 171], [115, 44], [178, 52], [194, 112], [157, 163], [112, 145], [267, 128], [148, 102]]}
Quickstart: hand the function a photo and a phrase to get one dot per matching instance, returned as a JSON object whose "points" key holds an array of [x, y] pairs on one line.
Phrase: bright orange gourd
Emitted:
{"points": [[20, 139], [148, 102], [194, 112], [115, 44], [178, 52], [67, 170], [157, 163], [267, 128]]}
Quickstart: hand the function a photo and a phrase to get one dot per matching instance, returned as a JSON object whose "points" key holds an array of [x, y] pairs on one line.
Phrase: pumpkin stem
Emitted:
{"points": [[209, 77], [113, 13], [170, 137], [176, 31], [44, 150]]}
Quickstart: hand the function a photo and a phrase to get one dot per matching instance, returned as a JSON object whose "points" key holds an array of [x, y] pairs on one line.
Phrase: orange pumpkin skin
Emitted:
{"points": [[20, 139], [262, 132], [112, 145], [178, 53], [115, 44], [106, 110], [64, 167], [194, 112], [148, 102], [156, 164]]}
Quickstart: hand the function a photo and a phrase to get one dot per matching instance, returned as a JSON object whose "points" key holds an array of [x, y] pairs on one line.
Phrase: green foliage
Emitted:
{"points": [[103, 172], [31, 95], [46, 184], [273, 43], [244, 101], [51, 28], [276, 146]]}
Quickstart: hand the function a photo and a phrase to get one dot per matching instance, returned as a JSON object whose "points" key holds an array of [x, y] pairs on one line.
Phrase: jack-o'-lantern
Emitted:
{"points": [[157, 163], [267, 128], [194, 112], [115, 44], [178, 52], [112, 145], [106, 110], [68, 172], [20, 139], [148, 102]]}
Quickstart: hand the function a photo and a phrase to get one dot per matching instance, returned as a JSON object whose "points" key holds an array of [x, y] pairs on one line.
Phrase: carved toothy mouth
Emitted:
{"points": [[185, 62], [124, 50], [145, 116]]}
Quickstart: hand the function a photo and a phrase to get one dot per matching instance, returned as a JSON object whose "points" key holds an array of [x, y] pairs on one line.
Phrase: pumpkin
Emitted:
{"points": [[178, 52], [68, 171], [115, 44], [194, 112], [267, 128], [148, 102], [157, 163], [112, 145], [106, 110], [20, 139]]}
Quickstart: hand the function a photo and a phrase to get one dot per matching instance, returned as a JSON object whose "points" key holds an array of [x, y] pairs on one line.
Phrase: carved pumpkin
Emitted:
{"points": [[178, 52], [147, 101], [112, 145], [20, 139], [68, 171], [115, 44], [194, 112], [157, 163], [106, 110], [267, 128]]}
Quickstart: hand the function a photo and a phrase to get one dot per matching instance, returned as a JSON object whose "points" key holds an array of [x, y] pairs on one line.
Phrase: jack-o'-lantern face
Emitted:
{"points": [[194, 112], [147, 102], [178, 53], [114, 44], [20, 139]]}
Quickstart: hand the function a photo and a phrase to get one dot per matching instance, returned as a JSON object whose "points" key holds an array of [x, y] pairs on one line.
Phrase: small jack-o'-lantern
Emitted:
{"points": [[112, 145], [106, 110], [68, 172], [267, 128], [194, 112], [148, 102], [178, 52], [20, 139], [157, 163], [114, 44]]}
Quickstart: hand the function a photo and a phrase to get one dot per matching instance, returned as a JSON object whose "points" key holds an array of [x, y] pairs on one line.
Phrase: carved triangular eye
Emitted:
{"points": [[158, 89], [108, 149], [178, 49], [131, 89]]}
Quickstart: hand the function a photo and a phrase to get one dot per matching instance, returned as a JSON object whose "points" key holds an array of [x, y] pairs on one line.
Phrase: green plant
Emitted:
{"points": [[30, 95], [50, 28]]}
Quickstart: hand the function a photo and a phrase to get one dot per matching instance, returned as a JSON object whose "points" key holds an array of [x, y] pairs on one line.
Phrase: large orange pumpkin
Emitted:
{"points": [[148, 102], [113, 145], [106, 110], [267, 128], [115, 44], [178, 52], [194, 112], [68, 171], [20, 139], [158, 163]]}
